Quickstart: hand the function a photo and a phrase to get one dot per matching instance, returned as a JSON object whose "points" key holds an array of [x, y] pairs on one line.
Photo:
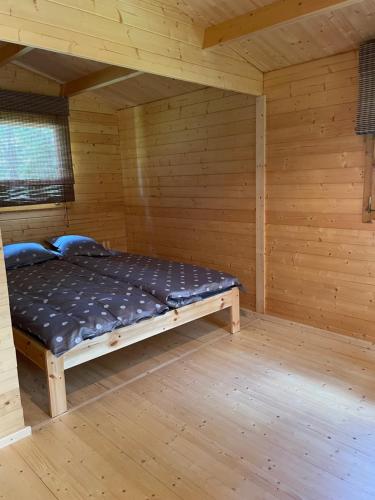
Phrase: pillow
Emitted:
{"points": [[26, 254], [71, 245]]}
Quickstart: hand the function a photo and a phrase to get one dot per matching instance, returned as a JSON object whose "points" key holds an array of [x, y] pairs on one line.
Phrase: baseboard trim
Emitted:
{"points": [[15, 436]]}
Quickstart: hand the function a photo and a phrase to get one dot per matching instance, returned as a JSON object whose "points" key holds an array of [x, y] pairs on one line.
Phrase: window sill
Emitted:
{"points": [[26, 208]]}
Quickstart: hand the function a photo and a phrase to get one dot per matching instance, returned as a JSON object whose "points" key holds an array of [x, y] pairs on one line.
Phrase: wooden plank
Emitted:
{"points": [[29, 347], [126, 336], [11, 52], [270, 16], [56, 384], [235, 321], [98, 80], [15, 472], [11, 414], [261, 117], [42, 206], [369, 180]]}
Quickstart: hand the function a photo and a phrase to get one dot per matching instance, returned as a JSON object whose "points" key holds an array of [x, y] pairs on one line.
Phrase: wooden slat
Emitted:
{"points": [[11, 52], [98, 80], [261, 114], [128, 335], [269, 16]]}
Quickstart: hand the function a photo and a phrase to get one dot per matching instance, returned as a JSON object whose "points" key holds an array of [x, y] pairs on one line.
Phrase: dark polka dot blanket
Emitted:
{"points": [[63, 304], [174, 283]]}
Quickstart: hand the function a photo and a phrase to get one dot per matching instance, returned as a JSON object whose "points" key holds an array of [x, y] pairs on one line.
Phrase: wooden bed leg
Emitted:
{"points": [[235, 312], [56, 384]]}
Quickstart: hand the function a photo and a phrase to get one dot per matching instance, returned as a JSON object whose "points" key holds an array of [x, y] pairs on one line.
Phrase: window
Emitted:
{"points": [[35, 156]]}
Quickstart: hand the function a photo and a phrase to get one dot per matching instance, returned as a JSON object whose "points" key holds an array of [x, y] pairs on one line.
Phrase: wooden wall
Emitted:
{"points": [[320, 256], [189, 175], [11, 414], [98, 209]]}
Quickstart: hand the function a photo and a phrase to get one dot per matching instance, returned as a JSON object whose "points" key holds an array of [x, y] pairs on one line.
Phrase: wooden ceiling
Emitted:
{"points": [[338, 30], [340, 26], [144, 88]]}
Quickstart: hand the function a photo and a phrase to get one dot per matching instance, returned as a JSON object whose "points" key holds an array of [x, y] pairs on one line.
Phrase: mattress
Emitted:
{"points": [[173, 283], [63, 304]]}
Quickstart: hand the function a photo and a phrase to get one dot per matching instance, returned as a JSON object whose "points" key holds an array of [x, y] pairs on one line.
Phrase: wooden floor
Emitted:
{"points": [[278, 411]]}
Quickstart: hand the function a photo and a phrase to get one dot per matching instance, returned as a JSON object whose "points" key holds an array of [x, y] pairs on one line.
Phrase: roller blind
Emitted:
{"points": [[366, 102], [35, 155]]}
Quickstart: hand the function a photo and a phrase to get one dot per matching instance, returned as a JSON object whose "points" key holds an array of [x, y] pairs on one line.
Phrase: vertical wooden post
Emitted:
{"points": [[260, 202], [235, 312], [12, 425], [56, 384], [368, 178]]}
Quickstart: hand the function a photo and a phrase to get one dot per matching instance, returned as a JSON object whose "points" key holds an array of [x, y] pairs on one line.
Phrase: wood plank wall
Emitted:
{"points": [[189, 177], [320, 256], [98, 209], [11, 413]]}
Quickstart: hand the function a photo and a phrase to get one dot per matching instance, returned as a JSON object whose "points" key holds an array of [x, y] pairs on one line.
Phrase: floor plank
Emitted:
{"points": [[17, 478], [279, 411]]}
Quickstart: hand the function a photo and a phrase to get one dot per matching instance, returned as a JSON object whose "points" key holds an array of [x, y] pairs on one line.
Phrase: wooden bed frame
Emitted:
{"points": [[55, 367]]}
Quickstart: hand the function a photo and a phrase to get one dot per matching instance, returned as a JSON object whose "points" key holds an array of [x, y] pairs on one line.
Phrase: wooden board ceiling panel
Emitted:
{"points": [[313, 38], [317, 36], [143, 89], [208, 12], [139, 90], [58, 66], [338, 30]]}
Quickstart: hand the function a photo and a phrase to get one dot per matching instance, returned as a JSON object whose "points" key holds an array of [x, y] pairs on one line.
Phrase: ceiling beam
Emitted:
{"points": [[12, 51], [98, 80], [269, 16]]}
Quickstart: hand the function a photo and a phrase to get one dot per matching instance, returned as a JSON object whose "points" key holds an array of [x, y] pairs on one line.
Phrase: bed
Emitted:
{"points": [[63, 304], [176, 284], [65, 314]]}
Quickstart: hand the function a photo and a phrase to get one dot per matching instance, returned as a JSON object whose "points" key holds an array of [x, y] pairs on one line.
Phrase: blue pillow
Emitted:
{"points": [[71, 245], [26, 254]]}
